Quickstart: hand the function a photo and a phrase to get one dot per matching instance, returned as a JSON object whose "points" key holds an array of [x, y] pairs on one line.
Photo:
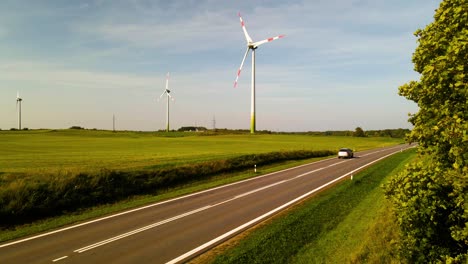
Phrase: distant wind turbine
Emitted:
{"points": [[167, 92], [18, 108], [251, 46]]}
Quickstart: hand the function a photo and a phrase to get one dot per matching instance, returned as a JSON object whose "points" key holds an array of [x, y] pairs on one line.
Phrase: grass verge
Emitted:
{"points": [[349, 223]]}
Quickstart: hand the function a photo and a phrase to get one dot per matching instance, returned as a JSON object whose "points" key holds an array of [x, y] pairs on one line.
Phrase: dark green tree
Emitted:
{"points": [[431, 195], [359, 132]]}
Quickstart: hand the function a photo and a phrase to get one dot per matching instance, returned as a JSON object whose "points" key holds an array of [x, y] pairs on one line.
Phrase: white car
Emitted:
{"points": [[345, 153]]}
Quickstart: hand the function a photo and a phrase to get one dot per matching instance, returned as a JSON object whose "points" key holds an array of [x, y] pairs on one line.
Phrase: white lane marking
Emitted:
{"points": [[372, 153], [260, 189], [136, 231], [164, 202], [319, 169], [133, 232], [262, 217], [58, 259]]}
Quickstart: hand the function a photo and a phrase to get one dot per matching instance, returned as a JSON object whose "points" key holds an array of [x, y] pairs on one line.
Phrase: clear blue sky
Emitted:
{"points": [[80, 62]]}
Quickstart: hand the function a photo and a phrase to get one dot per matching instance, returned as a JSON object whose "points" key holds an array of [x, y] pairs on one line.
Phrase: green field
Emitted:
{"points": [[34, 152]]}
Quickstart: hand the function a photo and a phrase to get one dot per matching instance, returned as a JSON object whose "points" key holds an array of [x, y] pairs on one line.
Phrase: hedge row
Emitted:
{"points": [[23, 201]]}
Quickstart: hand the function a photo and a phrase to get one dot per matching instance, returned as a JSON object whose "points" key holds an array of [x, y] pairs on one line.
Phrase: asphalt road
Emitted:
{"points": [[179, 229]]}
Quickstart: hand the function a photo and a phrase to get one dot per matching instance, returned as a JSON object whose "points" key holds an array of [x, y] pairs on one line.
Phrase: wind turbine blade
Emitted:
{"points": [[240, 68], [247, 37], [258, 43], [161, 95], [17, 100], [167, 81], [170, 96]]}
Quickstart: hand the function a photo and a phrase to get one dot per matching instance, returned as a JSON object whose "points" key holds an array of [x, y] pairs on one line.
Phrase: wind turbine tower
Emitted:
{"points": [[251, 46], [18, 108], [167, 92]]}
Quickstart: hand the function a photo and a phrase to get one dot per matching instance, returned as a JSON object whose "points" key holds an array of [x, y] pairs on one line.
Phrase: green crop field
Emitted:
{"points": [[49, 151]]}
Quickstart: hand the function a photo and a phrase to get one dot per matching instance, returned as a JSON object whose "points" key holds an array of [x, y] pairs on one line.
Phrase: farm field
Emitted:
{"points": [[50, 151]]}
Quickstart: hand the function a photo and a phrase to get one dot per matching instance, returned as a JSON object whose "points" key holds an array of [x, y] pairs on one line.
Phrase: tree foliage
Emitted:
{"points": [[431, 196], [359, 132], [191, 128]]}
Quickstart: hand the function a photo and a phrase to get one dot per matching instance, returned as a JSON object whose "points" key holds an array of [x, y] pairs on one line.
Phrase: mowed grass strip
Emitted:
{"points": [[343, 224]]}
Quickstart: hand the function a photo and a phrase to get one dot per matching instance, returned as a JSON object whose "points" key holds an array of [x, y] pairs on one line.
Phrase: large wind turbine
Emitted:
{"points": [[167, 92], [18, 108], [251, 46]]}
